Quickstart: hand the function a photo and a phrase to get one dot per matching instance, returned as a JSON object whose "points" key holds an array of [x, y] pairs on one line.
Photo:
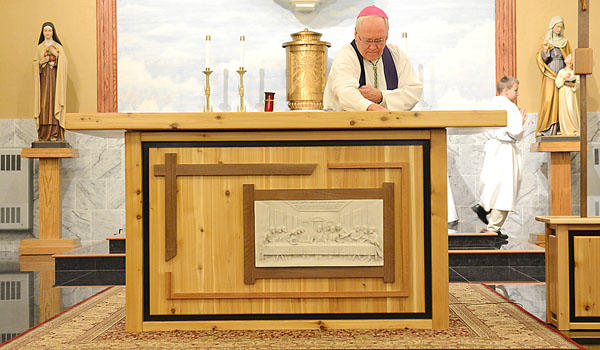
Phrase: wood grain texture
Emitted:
{"points": [[583, 41], [565, 220], [586, 276], [106, 59], [439, 230], [286, 324], [49, 153], [50, 198], [237, 169], [506, 38], [555, 146], [383, 165], [135, 227], [170, 205], [48, 246], [559, 187], [212, 257], [172, 295], [280, 135], [283, 120]]}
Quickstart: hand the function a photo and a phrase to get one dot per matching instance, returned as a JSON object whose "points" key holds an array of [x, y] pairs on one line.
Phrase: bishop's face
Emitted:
{"points": [[371, 38], [48, 32]]}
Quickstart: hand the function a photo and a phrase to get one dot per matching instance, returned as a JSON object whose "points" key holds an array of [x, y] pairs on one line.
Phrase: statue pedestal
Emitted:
{"points": [[50, 240], [559, 175]]}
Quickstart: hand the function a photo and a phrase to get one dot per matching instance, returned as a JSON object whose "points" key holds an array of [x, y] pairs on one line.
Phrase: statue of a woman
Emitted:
{"points": [[550, 60], [50, 79], [568, 107]]}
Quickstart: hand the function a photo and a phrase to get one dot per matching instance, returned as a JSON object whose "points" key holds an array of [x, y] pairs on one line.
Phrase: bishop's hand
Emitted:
{"points": [[370, 93]]}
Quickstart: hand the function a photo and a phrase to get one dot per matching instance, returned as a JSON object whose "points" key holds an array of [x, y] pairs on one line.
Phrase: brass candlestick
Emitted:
{"points": [[207, 72], [241, 72]]}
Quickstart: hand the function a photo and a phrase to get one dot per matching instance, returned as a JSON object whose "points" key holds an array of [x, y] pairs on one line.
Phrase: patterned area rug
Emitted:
{"points": [[479, 319]]}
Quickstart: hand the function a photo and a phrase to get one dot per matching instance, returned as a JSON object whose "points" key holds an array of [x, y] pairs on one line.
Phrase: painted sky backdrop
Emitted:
{"points": [[161, 49]]}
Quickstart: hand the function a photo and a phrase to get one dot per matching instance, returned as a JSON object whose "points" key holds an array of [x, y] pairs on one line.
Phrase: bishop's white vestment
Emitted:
{"points": [[341, 90]]}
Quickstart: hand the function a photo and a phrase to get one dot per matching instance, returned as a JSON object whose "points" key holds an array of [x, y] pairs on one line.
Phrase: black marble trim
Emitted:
{"points": [[572, 235], [146, 146]]}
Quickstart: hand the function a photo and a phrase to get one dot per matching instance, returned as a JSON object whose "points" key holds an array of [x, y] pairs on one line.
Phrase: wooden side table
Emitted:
{"points": [[572, 271]]}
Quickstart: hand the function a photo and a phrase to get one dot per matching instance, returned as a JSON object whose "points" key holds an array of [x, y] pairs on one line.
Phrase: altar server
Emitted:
{"points": [[501, 172], [368, 74]]}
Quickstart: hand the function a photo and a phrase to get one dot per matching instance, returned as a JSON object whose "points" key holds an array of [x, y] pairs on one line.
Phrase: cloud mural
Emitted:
{"points": [[161, 49]]}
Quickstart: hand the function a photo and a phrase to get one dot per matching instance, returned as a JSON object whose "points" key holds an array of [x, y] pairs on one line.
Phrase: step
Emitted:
{"points": [[510, 261], [116, 244], [91, 265], [473, 241]]}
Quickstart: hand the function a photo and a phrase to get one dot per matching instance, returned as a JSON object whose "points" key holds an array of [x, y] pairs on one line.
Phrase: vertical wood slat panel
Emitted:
{"points": [[506, 42], [106, 46], [170, 206], [583, 40], [134, 231]]}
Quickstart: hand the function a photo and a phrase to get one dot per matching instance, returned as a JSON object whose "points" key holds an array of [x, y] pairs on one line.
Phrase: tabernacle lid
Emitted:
{"points": [[306, 37]]}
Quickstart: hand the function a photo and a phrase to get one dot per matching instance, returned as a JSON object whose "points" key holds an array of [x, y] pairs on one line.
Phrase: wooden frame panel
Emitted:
{"points": [[417, 303], [134, 277], [387, 271]]}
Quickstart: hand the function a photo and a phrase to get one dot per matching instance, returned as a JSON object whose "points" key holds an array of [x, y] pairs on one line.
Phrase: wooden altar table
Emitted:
{"points": [[358, 199]]}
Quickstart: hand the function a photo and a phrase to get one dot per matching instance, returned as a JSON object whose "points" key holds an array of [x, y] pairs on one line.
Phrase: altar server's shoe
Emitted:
{"points": [[481, 213]]}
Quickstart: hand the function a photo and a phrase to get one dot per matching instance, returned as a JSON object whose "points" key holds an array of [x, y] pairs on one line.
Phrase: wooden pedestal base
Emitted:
{"points": [[48, 246], [50, 241]]}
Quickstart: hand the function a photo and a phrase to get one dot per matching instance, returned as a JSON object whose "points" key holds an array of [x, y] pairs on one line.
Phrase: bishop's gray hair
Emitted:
{"points": [[359, 21]]}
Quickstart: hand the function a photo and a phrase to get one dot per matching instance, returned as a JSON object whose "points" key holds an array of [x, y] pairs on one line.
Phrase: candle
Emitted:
{"points": [[207, 51], [405, 42], [242, 50]]}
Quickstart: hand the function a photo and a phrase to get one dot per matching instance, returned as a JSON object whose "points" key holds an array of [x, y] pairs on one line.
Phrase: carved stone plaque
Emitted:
{"points": [[318, 233]]}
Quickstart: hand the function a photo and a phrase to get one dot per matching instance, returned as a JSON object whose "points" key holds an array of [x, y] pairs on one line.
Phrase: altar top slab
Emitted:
{"points": [[298, 120]]}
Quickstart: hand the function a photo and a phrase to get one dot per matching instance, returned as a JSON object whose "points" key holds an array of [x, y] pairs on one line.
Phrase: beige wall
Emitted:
{"points": [[20, 23], [533, 17]]}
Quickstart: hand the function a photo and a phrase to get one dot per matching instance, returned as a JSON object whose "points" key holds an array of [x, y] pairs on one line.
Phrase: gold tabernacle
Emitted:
{"points": [[306, 70]]}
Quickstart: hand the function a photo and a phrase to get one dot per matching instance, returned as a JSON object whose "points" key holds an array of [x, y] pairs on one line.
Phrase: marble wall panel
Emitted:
{"points": [[7, 133], [528, 192], [77, 224], [90, 194], [77, 168], [106, 164], [115, 193], [530, 225], [25, 132], [470, 158], [465, 190], [69, 190], [106, 223]]}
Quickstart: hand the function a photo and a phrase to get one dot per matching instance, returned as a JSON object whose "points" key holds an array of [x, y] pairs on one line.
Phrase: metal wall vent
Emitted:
{"points": [[16, 191], [8, 336], [10, 290], [10, 215], [10, 162]]}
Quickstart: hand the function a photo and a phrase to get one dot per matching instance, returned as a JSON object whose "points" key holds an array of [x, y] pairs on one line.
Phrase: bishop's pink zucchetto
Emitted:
{"points": [[372, 11]]}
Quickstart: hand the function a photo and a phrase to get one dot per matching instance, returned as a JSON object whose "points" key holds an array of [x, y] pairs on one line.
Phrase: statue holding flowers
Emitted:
{"points": [[50, 81]]}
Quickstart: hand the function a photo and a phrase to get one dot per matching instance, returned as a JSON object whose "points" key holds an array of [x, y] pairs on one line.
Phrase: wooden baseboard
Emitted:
{"points": [[48, 246]]}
